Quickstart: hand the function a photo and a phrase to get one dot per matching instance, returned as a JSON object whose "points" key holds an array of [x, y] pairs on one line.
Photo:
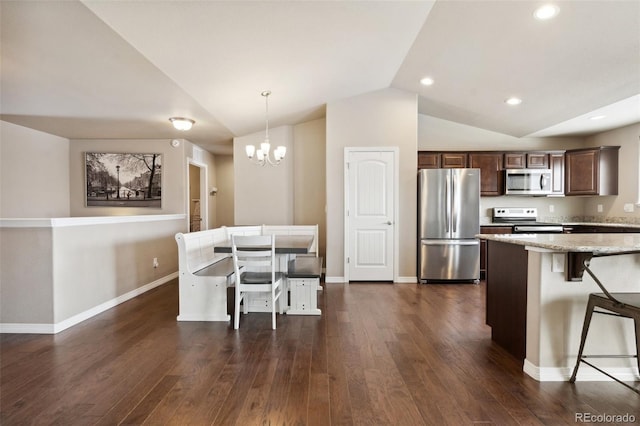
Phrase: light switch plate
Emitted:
{"points": [[628, 207], [600, 209]]}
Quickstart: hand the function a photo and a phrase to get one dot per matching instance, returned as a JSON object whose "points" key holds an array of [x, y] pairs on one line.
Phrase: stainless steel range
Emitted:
{"points": [[524, 220]]}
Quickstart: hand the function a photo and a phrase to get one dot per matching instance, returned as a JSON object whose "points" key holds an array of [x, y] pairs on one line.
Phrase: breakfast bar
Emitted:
{"points": [[537, 295]]}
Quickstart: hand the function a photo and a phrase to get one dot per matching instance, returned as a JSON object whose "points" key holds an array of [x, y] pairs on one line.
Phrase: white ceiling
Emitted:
{"points": [[120, 69]]}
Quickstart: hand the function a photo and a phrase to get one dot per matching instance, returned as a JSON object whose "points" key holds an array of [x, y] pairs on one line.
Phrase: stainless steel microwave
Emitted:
{"points": [[527, 182]]}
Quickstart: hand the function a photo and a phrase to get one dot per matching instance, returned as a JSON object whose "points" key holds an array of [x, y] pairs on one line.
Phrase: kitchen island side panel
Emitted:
{"points": [[507, 296]]}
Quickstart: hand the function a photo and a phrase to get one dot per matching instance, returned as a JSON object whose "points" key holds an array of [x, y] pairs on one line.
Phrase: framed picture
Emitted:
{"points": [[123, 180]]}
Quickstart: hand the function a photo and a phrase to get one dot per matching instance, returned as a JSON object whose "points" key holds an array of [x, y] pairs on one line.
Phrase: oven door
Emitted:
{"points": [[537, 229]]}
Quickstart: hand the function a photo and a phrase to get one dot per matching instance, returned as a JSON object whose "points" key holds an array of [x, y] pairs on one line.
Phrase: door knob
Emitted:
{"points": [[389, 223]]}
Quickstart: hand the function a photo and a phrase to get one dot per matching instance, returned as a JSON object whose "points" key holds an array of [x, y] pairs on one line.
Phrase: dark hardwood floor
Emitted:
{"points": [[380, 354]]}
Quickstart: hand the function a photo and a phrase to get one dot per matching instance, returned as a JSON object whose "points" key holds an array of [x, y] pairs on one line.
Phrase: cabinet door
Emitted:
{"points": [[483, 244], [557, 173], [491, 174], [514, 160], [582, 172], [428, 160], [537, 160], [454, 160]]}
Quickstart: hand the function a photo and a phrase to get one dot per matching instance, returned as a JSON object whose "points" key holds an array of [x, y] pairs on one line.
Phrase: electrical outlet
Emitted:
{"points": [[628, 208], [600, 208], [155, 262], [551, 208]]}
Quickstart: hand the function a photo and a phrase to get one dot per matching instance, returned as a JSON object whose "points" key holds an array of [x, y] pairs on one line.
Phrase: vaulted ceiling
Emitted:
{"points": [[120, 69]]}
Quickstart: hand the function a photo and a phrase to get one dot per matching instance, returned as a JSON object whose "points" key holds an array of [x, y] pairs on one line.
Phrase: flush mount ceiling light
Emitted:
{"points": [[513, 101], [262, 156], [181, 123], [426, 81], [545, 12]]}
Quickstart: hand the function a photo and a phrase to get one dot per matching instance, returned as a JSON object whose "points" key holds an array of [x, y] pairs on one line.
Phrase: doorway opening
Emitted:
{"points": [[197, 205]]}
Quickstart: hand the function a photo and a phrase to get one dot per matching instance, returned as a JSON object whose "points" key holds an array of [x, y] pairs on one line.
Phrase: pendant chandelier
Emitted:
{"points": [[262, 156]]}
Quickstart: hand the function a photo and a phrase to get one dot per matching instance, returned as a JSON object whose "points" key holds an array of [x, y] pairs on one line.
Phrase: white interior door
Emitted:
{"points": [[370, 215]]}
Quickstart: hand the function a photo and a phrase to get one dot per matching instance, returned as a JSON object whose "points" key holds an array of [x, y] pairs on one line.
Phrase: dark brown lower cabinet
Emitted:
{"points": [[489, 229], [507, 296]]}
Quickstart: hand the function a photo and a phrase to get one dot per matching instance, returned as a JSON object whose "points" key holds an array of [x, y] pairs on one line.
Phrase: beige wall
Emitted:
{"points": [[173, 175], [628, 138], [34, 173], [263, 195], [435, 134], [383, 118], [310, 177], [224, 199], [26, 275]]}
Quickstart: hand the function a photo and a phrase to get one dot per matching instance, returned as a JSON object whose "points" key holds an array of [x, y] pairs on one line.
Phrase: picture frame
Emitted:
{"points": [[123, 179]]}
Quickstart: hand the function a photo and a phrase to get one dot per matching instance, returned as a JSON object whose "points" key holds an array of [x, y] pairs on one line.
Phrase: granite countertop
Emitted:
{"points": [[586, 243], [608, 224]]}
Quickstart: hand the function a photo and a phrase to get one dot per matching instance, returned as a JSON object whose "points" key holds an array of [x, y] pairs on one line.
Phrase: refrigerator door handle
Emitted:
{"points": [[447, 202], [454, 210]]}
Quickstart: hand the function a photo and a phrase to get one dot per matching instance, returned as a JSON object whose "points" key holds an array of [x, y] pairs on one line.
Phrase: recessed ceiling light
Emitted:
{"points": [[545, 12], [513, 101], [427, 81], [597, 117]]}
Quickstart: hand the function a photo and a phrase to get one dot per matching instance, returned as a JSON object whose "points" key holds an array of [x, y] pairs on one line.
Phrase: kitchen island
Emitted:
{"points": [[537, 296]]}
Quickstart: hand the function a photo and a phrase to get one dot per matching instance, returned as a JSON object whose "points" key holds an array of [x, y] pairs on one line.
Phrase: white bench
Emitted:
{"points": [[203, 276], [304, 282]]}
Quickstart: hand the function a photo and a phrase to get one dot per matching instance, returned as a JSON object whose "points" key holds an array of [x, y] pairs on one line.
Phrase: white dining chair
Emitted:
{"points": [[254, 261]]}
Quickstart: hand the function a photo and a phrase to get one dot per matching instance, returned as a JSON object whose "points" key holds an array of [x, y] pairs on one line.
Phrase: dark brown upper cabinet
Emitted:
{"points": [[526, 160], [491, 174], [454, 160], [592, 171]]}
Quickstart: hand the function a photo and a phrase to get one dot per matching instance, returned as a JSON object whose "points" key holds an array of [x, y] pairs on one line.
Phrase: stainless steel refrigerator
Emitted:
{"points": [[448, 220]]}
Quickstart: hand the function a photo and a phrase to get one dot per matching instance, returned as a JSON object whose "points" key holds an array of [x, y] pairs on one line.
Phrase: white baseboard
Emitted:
{"points": [[406, 280], [225, 318], [585, 373], [23, 328], [400, 280]]}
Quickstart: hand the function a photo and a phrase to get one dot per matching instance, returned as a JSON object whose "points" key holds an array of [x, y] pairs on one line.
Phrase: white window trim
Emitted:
{"points": [[638, 171]]}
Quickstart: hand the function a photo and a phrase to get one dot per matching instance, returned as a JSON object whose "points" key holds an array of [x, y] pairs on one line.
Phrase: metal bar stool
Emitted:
{"points": [[625, 305]]}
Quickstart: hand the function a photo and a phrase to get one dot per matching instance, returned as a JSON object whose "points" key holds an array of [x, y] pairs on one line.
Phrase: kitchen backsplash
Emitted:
{"points": [[590, 219]]}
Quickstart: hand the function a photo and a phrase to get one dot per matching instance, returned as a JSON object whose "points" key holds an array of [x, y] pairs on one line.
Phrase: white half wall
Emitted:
{"points": [[58, 272]]}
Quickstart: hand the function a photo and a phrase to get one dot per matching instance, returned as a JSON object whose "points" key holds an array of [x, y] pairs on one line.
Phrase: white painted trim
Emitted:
{"points": [[638, 165], [406, 280], [76, 319], [226, 318], [334, 280], [60, 222], [585, 373], [396, 204]]}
